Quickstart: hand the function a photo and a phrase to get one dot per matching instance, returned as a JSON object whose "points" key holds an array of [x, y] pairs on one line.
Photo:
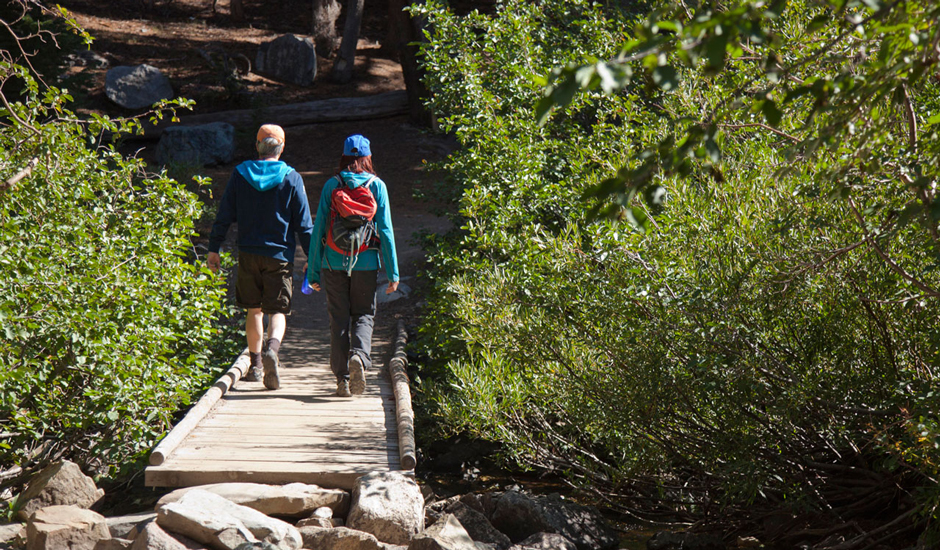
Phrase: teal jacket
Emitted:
{"points": [[322, 257]]}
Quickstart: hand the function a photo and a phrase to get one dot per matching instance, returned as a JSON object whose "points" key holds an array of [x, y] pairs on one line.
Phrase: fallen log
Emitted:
{"points": [[339, 109]]}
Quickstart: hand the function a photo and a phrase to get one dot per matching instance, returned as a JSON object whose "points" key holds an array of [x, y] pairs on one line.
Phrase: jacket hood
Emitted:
{"points": [[354, 180], [264, 174]]}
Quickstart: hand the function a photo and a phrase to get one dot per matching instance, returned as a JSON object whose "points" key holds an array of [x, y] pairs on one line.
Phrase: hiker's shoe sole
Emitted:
{"points": [[357, 375], [342, 388], [271, 379]]}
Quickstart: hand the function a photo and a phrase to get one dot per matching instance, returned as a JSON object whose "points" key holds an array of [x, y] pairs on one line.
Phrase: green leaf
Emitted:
{"points": [[665, 77], [771, 112]]}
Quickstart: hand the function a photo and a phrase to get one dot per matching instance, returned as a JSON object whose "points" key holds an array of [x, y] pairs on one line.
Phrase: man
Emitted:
{"points": [[266, 198]]}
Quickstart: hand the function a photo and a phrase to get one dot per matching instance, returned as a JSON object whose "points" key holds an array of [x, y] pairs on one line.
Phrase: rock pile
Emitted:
{"points": [[384, 511]]}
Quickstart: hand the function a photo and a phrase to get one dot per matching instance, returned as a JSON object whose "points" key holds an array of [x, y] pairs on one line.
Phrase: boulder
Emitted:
{"points": [[291, 500], [153, 537], [59, 484], [57, 527], [478, 527], [12, 535], [519, 516], [388, 505], [446, 534], [200, 144], [484, 503], [137, 87], [545, 541], [288, 58], [114, 544], [220, 523], [127, 527], [342, 538]]}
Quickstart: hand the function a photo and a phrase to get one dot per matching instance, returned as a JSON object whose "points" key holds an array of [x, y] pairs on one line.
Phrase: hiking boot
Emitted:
{"points": [[254, 374], [357, 375], [342, 388], [271, 379]]}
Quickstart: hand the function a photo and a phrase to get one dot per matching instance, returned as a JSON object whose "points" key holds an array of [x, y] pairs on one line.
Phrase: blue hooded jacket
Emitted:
{"points": [[267, 199], [322, 257]]}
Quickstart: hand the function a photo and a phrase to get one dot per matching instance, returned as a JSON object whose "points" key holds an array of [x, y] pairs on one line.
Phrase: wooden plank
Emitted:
{"points": [[224, 454], [279, 443], [194, 465]]}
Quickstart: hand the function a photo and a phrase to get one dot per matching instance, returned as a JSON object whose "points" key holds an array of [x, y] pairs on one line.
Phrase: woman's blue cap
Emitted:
{"points": [[356, 146]]}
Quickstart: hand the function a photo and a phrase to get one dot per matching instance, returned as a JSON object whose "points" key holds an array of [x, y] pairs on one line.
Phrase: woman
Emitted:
{"points": [[350, 279]]}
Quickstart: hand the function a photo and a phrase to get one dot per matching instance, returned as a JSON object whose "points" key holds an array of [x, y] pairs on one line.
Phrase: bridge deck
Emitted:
{"points": [[298, 433]]}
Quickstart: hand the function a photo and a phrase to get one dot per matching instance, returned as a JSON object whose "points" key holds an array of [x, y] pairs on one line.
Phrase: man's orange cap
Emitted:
{"points": [[271, 131]]}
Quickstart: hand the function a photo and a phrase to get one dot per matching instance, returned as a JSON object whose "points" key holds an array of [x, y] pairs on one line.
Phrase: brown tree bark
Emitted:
{"points": [[345, 62], [407, 32], [325, 14], [238, 10]]}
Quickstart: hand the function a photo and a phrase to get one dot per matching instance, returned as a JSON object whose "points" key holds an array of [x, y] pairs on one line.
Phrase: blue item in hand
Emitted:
{"points": [[305, 287]]}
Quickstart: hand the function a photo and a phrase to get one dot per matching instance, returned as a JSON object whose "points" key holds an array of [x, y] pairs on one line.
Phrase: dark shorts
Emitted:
{"points": [[264, 282]]}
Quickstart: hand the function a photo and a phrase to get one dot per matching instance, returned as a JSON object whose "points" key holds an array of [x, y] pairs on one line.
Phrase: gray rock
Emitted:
{"points": [[137, 87], [114, 544], [478, 527], [324, 512], [288, 58], [220, 523], [11, 533], [201, 144], [342, 538], [446, 534], [57, 527], [87, 58], [153, 537], [127, 527], [388, 505], [545, 541], [520, 516], [314, 521], [59, 484], [291, 500]]}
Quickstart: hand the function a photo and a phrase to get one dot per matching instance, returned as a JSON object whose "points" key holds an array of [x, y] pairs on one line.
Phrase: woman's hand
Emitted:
{"points": [[392, 287]]}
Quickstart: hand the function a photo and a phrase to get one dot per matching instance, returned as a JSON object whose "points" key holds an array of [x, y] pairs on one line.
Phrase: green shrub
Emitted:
{"points": [[743, 339], [108, 325]]}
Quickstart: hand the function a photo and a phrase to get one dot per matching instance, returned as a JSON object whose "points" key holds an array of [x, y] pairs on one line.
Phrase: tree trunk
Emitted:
{"points": [[345, 63], [325, 14], [407, 32], [238, 10]]}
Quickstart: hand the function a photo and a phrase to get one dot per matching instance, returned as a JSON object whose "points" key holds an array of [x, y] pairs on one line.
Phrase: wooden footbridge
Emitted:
{"points": [[302, 432]]}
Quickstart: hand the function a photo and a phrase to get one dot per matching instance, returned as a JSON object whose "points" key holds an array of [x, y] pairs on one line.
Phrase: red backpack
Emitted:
{"points": [[352, 210]]}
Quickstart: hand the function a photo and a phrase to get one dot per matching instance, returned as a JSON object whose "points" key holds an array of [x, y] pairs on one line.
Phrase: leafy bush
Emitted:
{"points": [[107, 325], [744, 339]]}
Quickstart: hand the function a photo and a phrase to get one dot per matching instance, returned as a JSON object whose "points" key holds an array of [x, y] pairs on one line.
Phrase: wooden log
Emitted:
{"points": [[405, 414], [339, 109], [199, 410]]}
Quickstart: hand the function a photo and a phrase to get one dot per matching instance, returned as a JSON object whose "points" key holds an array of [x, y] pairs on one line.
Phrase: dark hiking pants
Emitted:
{"points": [[350, 301]]}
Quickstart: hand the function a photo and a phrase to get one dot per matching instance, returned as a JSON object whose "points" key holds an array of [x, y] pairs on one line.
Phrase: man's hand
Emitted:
{"points": [[392, 287], [214, 262], [315, 286]]}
